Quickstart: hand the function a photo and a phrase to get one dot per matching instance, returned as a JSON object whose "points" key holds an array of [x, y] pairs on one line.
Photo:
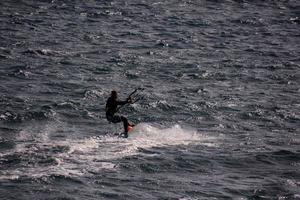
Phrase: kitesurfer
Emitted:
{"points": [[111, 109]]}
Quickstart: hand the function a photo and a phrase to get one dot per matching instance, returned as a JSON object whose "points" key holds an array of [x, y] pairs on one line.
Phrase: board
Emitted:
{"points": [[122, 135]]}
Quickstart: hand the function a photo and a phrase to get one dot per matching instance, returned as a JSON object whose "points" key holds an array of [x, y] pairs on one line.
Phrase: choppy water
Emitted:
{"points": [[220, 115]]}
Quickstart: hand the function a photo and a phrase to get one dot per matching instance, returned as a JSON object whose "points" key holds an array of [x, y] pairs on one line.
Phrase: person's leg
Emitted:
{"points": [[125, 124], [117, 119]]}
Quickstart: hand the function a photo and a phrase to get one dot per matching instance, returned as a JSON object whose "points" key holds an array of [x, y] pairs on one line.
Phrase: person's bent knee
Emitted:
{"points": [[124, 119]]}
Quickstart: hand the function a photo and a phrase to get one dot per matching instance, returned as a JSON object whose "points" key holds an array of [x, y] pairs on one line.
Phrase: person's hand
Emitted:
{"points": [[129, 100]]}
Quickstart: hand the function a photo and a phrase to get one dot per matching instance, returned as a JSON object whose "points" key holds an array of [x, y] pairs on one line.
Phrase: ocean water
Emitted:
{"points": [[219, 117]]}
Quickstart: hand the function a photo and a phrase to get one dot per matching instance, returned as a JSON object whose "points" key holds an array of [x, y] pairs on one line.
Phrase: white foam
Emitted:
{"points": [[91, 155], [145, 135]]}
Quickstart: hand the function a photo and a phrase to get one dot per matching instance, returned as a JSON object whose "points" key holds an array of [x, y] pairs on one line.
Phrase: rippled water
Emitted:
{"points": [[219, 118]]}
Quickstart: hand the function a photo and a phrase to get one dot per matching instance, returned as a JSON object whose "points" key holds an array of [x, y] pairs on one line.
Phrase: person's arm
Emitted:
{"points": [[128, 100], [122, 102]]}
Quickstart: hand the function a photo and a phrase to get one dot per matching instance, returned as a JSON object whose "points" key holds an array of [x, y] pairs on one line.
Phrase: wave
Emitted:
{"points": [[14, 117]]}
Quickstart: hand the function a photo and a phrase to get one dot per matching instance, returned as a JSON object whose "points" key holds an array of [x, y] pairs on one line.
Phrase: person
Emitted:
{"points": [[111, 108]]}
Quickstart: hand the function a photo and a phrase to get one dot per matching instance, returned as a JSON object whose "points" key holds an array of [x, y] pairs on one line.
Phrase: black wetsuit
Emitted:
{"points": [[111, 109]]}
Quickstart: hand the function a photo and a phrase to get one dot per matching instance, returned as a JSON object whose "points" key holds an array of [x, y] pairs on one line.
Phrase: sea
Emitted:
{"points": [[218, 110]]}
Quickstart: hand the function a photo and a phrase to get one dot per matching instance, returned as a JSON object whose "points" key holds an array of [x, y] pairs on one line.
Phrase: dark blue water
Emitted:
{"points": [[220, 117]]}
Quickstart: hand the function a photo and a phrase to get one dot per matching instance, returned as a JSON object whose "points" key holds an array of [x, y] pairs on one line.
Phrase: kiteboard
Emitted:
{"points": [[130, 128]]}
